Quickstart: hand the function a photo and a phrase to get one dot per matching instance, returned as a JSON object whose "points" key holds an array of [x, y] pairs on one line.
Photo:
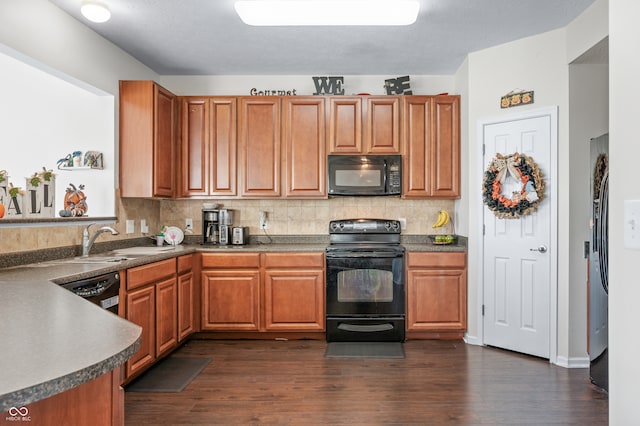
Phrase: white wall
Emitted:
{"points": [[241, 85], [44, 118], [536, 63], [624, 151], [589, 118], [43, 36]]}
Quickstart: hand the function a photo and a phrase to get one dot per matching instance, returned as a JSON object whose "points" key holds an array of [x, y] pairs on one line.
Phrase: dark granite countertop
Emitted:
{"points": [[54, 341]]}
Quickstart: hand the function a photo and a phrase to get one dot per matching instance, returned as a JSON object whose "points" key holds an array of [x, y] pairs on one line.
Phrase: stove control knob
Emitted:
{"points": [[334, 226]]}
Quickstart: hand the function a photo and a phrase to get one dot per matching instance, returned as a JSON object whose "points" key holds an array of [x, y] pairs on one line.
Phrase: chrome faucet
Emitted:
{"points": [[87, 242]]}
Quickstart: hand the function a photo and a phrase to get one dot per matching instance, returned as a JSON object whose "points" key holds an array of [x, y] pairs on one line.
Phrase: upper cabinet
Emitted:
{"points": [[147, 140], [432, 146], [364, 125], [259, 146], [208, 143], [305, 146]]}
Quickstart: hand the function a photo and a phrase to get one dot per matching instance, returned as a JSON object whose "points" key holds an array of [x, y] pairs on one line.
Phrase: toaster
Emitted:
{"points": [[240, 235]]}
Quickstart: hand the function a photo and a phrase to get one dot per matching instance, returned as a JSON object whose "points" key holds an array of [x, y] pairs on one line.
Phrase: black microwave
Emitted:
{"points": [[364, 174]]}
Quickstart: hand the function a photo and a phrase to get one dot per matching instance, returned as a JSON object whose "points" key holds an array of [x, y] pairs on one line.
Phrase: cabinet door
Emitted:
{"points": [[294, 300], [345, 125], [186, 300], [166, 316], [445, 148], [259, 146], [223, 147], [382, 124], [164, 142], [305, 146], [437, 300], [416, 173], [195, 146], [140, 309], [231, 300], [147, 139]]}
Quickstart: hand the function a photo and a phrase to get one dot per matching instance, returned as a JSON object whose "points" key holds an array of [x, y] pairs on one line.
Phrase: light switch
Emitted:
{"points": [[632, 224], [131, 226]]}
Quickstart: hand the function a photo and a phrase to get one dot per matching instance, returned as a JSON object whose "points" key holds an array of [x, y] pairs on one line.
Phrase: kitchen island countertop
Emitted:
{"points": [[53, 341]]}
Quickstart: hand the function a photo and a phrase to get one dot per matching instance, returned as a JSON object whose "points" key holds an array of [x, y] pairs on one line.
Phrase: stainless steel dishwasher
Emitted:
{"points": [[103, 290]]}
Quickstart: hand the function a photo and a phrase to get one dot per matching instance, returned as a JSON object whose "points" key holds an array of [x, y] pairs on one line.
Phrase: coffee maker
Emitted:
{"points": [[225, 217], [210, 226]]}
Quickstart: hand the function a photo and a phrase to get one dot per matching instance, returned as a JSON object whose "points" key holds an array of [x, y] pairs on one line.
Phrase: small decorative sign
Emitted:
{"points": [[14, 203], [328, 85], [39, 197], [512, 99], [272, 92], [398, 86]]}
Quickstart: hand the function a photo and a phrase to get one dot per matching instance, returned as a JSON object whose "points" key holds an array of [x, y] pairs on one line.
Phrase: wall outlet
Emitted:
{"points": [[188, 225], [263, 220], [403, 223], [131, 226], [143, 226]]}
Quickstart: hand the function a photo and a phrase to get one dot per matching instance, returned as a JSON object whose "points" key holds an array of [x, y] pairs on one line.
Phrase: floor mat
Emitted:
{"points": [[364, 350], [172, 374]]}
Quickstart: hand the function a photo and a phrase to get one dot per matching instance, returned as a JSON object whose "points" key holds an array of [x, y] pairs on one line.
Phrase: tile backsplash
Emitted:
{"points": [[310, 217], [285, 217]]}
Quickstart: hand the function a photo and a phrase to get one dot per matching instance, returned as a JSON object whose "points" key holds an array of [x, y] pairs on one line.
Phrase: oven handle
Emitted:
{"points": [[359, 328], [349, 255]]}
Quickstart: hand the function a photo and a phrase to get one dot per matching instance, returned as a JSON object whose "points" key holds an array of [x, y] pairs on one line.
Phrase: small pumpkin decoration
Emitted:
{"points": [[75, 203], [1, 210]]}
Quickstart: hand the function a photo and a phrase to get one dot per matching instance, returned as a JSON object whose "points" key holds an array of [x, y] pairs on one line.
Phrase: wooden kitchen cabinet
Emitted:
{"points": [[432, 146], [230, 291], [140, 309], [364, 125], [304, 146], [259, 146], [254, 292], [294, 293], [151, 302], [186, 297], [208, 146], [147, 140], [437, 293]]}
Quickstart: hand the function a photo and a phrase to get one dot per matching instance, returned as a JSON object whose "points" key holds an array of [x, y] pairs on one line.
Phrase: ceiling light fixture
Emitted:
{"points": [[95, 11], [327, 12]]}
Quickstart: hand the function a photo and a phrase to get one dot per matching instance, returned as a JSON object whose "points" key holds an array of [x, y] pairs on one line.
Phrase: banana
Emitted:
{"points": [[443, 219]]}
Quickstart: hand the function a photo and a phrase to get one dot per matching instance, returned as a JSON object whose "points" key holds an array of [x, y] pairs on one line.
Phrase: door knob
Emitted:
{"points": [[541, 249]]}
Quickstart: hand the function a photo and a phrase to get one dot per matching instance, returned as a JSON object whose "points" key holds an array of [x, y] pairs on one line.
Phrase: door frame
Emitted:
{"points": [[551, 195]]}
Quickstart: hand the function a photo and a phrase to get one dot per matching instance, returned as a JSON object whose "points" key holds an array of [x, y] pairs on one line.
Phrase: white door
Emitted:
{"points": [[517, 253]]}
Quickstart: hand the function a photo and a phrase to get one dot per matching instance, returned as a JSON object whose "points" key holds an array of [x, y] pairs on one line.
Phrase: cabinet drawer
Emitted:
{"points": [[293, 260], [153, 272], [436, 260], [185, 263], [230, 260]]}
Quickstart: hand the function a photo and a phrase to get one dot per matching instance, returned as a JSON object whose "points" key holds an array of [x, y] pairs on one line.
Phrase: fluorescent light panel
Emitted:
{"points": [[327, 12]]}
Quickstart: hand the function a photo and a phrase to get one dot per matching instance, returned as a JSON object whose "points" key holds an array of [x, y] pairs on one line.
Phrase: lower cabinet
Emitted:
{"points": [[99, 402], [437, 293], [151, 302], [262, 292], [186, 297], [294, 294]]}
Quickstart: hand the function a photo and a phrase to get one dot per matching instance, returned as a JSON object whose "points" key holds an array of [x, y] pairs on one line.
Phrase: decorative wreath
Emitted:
{"points": [[521, 203]]}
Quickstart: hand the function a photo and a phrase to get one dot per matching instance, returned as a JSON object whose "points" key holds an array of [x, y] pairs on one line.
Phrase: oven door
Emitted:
{"points": [[365, 284]]}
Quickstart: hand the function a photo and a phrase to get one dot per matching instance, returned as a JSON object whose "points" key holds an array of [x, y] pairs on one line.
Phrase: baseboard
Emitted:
{"points": [[574, 362], [472, 340]]}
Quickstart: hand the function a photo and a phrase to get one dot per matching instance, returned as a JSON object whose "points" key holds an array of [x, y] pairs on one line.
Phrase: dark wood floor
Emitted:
{"points": [[439, 382]]}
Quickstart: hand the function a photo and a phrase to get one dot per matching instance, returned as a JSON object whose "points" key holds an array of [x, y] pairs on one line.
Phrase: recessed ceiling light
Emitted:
{"points": [[95, 11], [327, 12]]}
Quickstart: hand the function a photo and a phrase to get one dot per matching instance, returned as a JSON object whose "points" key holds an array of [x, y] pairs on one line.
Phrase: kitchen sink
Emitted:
{"points": [[143, 251], [97, 259]]}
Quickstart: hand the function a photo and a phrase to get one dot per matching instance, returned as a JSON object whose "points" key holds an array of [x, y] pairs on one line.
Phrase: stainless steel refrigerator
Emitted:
{"points": [[598, 264]]}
